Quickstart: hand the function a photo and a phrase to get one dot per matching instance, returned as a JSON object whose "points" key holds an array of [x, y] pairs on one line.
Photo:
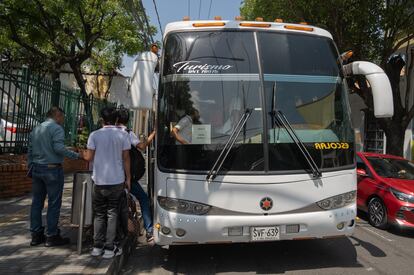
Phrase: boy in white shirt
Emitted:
{"points": [[108, 148]]}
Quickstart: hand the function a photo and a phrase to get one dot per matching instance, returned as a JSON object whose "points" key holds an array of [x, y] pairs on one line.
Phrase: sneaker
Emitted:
{"points": [[110, 253], [37, 238], [149, 237], [56, 240], [96, 251]]}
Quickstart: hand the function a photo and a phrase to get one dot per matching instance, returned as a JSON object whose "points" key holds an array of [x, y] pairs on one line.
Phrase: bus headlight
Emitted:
{"points": [[183, 206], [337, 201]]}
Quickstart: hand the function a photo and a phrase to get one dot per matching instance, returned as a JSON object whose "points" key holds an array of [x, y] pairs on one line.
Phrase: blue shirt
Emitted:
{"points": [[47, 144]]}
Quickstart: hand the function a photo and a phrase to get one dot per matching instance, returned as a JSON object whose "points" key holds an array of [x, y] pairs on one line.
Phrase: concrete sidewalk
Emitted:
{"points": [[18, 257]]}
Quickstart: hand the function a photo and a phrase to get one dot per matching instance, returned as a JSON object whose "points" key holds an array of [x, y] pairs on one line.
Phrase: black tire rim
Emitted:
{"points": [[376, 212]]}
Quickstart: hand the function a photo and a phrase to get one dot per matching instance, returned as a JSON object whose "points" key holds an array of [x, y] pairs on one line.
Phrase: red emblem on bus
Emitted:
{"points": [[266, 204]]}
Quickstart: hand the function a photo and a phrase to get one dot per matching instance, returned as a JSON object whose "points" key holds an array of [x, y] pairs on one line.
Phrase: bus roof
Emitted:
{"points": [[246, 25]]}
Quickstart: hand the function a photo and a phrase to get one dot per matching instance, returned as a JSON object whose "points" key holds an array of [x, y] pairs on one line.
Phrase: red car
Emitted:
{"points": [[386, 189]]}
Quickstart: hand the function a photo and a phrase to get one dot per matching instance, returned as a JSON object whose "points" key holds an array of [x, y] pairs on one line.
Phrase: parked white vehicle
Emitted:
{"points": [[14, 129], [270, 153]]}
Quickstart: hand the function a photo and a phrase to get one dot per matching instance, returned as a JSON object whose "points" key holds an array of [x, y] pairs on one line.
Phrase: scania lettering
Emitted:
{"points": [[271, 151]]}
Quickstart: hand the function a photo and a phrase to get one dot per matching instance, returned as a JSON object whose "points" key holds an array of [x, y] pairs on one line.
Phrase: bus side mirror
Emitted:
{"points": [[142, 80], [380, 86]]}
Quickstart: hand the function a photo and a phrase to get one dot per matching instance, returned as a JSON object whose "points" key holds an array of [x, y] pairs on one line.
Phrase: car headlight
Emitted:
{"points": [[183, 206], [337, 201], [402, 196]]}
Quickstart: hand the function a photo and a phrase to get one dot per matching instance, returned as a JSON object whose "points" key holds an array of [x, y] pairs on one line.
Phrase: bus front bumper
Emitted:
{"points": [[173, 229]]}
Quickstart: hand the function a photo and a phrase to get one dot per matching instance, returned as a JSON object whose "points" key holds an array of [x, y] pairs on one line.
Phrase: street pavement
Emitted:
{"points": [[368, 251], [18, 257]]}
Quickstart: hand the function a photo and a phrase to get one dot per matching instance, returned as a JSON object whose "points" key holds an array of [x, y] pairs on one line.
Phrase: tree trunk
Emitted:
{"points": [[55, 88], [395, 128], [85, 98], [395, 135]]}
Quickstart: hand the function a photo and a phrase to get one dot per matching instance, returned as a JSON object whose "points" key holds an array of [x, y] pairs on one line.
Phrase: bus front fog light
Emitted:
{"points": [[165, 230], [235, 231], [340, 225], [292, 228], [180, 232]]}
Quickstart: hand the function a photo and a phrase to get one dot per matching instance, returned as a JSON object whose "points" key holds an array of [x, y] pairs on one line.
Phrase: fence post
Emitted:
{"points": [[56, 92], [22, 109], [91, 103]]}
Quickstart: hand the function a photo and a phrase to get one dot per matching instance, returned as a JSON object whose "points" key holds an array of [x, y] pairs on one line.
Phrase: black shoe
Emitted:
{"points": [[37, 238], [150, 237], [56, 240]]}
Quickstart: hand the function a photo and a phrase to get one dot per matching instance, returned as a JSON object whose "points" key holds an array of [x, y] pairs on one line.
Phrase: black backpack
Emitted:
{"points": [[137, 163]]}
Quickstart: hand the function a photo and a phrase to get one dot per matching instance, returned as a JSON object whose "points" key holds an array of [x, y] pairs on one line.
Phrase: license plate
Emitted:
{"points": [[271, 233]]}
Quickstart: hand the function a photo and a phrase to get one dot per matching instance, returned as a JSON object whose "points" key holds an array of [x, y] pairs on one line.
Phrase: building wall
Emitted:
{"points": [[403, 89], [119, 91]]}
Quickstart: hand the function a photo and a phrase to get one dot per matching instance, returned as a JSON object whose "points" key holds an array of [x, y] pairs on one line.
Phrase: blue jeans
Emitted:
{"points": [[46, 181], [139, 193]]}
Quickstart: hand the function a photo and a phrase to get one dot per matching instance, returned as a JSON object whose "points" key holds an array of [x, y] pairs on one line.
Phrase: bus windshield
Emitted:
{"points": [[209, 79]]}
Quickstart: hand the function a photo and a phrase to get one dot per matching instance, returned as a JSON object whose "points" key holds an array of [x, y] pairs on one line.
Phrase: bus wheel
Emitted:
{"points": [[377, 213]]}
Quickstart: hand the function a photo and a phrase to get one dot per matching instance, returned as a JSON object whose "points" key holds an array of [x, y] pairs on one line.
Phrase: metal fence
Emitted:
{"points": [[25, 98]]}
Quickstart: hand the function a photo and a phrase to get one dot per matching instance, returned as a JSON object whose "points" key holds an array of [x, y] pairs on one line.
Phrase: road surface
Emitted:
{"points": [[368, 251]]}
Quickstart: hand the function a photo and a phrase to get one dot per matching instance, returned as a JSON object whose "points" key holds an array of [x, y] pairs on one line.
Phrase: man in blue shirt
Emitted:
{"points": [[45, 157]]}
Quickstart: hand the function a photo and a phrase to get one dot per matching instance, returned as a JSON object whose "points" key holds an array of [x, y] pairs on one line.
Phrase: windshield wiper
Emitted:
{"points": [[211, 175], [282, 121]]}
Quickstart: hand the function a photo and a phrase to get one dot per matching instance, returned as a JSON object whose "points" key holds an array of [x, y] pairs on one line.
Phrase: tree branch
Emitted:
{"points": [[81, 16], [75, 39], [15, 37], [45, 16], [402, 41], [28, 15], [50, 29], [405, 21]]}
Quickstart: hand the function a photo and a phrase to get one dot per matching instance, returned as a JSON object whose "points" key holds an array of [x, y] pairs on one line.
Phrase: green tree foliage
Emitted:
{"points": [[48, 34], [373, 29]]}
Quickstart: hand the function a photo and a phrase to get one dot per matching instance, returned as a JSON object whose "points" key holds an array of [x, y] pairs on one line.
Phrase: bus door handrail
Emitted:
{"points": [[211, 175], [284, 122]]}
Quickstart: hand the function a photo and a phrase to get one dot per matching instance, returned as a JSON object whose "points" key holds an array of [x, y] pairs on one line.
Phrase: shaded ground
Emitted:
{"points": [[368, 251], [18, 257]]}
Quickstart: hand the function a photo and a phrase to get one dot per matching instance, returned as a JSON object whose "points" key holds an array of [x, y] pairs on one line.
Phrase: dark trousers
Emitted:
{"points": [[46, 181], [105, 203]]}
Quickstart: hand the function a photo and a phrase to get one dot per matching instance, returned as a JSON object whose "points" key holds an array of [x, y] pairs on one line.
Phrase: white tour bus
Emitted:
{"points": [[268, 151]]}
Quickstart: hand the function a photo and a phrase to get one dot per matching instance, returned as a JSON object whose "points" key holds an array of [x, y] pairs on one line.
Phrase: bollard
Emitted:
{"points": [[82, 217]]}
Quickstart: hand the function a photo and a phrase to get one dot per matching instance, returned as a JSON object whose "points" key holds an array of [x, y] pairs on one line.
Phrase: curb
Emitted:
{"points": [[118, 262], [86, 264]]}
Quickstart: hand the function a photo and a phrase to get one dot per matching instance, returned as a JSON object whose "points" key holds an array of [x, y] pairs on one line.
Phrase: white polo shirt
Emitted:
{"points": [[108, 143], [132, 136]]}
